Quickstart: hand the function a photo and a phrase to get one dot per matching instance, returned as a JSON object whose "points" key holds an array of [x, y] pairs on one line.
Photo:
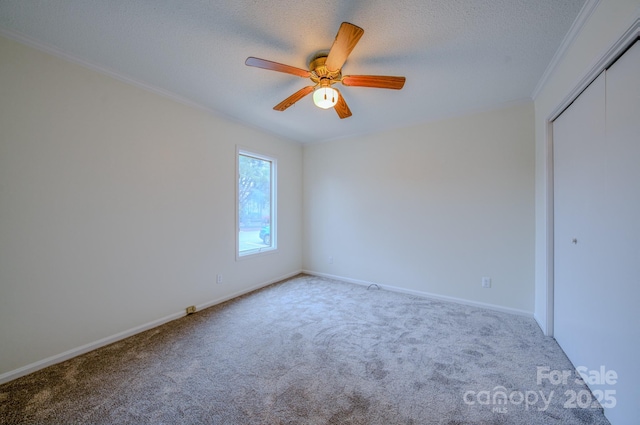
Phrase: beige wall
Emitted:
{"points": [[428, 209], [607, 23], [117, 207]]}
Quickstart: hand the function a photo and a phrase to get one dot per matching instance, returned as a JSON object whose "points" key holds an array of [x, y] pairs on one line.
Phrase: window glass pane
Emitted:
{"points": [[255, 202]]}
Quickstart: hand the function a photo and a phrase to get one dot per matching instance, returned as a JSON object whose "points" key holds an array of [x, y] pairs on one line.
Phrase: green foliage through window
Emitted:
{"points": [[256, 178]]}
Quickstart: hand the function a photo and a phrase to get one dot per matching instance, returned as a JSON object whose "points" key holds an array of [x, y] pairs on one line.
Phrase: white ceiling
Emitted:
{"points": [[458, 55]]}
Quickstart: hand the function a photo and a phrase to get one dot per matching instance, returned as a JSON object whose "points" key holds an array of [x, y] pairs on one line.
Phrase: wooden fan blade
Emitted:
{"points": [[341, 107], [377, 81], [293, 98], [346, 39], [275, 66]]}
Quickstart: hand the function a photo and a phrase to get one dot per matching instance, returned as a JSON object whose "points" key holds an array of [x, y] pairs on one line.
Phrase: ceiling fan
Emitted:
{"points": [[325, 70]]}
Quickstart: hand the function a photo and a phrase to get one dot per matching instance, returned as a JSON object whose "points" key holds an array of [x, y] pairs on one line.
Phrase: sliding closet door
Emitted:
{"points": [[621, 250], [597, 233], [578, 136], [622, 199]]}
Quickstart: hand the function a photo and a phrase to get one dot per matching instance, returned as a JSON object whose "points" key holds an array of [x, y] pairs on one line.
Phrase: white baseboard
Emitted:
{"points": [[58, 358], [74, 352], [427, 294], [246, 291]]}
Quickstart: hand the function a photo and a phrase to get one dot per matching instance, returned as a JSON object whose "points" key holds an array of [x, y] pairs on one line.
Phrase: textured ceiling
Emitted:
{"points": [[458, 55]]}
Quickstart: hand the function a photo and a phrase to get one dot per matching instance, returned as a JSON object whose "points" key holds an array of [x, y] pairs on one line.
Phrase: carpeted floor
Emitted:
{"points": [[312, 351]]}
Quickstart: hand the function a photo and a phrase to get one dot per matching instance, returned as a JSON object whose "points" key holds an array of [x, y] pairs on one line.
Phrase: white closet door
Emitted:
{"points": [[622, 198], [597, 231], [620, 311], [578, 136]]}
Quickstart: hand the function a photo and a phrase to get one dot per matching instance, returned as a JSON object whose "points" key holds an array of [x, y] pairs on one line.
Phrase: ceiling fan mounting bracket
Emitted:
{"points": [[319, 71]]}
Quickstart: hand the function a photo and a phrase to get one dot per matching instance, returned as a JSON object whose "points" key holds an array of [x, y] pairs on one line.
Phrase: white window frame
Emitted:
{"points": [[273, 204]]}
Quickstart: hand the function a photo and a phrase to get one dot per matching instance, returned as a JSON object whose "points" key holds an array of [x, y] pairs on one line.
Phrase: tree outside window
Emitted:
{"points": [[256, 183]]}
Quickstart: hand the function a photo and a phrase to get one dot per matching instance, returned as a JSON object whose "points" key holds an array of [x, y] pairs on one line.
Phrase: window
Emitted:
{"points": [[256, 203]]}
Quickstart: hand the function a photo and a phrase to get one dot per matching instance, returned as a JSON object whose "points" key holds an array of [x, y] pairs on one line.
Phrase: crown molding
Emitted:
{"points": [[585, 13], [604, 61], [61, 54]]}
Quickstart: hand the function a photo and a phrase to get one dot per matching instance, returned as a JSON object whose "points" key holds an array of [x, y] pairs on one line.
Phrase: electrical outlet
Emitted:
{"points": [[219, 278], [191, 309], [486, 282]]}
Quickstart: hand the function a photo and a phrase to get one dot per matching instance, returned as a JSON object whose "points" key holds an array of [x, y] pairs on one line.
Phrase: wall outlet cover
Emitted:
{"points": [[486, 282]]}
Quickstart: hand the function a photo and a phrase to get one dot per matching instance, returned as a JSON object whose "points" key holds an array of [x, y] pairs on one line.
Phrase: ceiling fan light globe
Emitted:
{"points": [[325, 97]]}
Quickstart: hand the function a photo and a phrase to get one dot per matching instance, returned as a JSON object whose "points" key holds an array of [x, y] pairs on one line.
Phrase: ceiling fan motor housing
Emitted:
{"points": [[320, 74]]}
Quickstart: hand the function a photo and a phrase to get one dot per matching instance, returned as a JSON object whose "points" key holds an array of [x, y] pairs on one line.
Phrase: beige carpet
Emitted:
{"points": [[311, 351]]}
